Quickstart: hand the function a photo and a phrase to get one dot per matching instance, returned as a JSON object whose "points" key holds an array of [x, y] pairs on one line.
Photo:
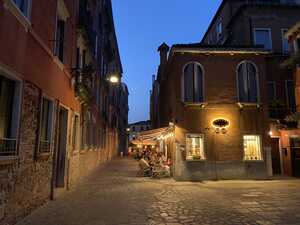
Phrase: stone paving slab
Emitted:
{"points": [[116, 196]]}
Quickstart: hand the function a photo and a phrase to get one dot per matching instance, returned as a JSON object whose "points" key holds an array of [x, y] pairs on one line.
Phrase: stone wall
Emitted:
{"points": [[26, 182]]}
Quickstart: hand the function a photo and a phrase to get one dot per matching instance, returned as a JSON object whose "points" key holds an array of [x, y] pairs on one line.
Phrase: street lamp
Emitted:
{"points": [[113, 79]]}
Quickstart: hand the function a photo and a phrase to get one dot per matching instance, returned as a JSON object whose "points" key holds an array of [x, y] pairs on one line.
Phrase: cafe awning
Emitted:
{"points": [[151, 137]]}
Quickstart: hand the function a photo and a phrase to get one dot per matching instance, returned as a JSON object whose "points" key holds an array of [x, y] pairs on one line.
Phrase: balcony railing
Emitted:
{"points": [[280, 113], [44, 147], [83, 83], [8, 147], [85, 23]]}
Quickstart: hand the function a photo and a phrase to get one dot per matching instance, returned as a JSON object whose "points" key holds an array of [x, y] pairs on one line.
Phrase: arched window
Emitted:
{"points": [[247, 82], [193, 83]]}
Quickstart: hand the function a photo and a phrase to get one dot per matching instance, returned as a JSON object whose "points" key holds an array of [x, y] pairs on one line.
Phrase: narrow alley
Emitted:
{"points": [[115, 195]]}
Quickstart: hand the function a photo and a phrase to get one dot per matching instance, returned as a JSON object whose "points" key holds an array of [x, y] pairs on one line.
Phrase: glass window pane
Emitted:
{"points": [[252, 147], [7, 89], [198, 84], [290, 92], [243, 83], [188, 83], [263, 37], [285, 43], [252, 86]]}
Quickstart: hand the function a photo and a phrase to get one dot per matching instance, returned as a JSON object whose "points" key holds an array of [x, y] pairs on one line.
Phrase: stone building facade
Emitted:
{"points": [[215, 98], [262, 22], [58, 100]]}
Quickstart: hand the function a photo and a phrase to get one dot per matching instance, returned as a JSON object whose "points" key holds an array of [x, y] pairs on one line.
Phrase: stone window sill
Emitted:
{"points": [[249, 105], [44, 156], [5, 160], [24, 21], [191, 104]]}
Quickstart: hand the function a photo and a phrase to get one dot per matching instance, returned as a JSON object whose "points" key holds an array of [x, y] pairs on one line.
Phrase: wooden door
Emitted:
{"points": [[295, 156], [276, 164], [61, 147]]}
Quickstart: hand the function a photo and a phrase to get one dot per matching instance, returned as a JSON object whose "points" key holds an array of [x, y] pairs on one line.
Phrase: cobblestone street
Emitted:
{"points": [[115, 196]]}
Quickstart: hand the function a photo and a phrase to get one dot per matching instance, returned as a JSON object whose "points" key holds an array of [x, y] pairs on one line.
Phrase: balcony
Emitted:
{"points": [[83, 84], [280, 113], [8, 147], [85, 23]]}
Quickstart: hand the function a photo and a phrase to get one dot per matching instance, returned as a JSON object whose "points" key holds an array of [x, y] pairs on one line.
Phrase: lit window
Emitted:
{"points": [[24, 6], [194, 147], [46, 126], [247, 83], [252, 147], [263, 37], [193, 83]]}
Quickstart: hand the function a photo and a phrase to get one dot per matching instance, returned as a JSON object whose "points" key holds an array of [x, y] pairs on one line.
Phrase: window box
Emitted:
{"points": [[292, 62]]}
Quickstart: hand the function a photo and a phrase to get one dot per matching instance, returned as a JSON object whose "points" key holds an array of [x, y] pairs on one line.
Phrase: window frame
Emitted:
{"points": [[257, 83], [183, 84], [16, 108], [274, 90], [219, 29], [260, 146], [27, 15], [52, 117], [202, 135], [283, 31], [270, 36], [76, 145], [287, 94]]}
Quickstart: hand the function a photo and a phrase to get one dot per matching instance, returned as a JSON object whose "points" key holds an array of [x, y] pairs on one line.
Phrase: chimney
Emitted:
{"points": [[163, 51]]}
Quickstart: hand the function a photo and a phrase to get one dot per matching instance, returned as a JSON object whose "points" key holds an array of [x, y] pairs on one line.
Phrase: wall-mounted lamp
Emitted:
{"points": [[220, 125]]}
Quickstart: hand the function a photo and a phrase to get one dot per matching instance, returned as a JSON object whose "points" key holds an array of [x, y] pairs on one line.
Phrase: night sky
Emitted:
{"points": [[141, 26]]}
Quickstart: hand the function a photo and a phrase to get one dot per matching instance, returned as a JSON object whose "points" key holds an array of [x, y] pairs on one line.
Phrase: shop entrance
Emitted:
{"points": [[276, 165], [295, 156]]}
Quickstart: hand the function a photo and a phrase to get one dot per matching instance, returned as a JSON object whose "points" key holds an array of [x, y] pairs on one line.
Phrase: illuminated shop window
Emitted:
{"points": [[252, 147], [194, 147]]}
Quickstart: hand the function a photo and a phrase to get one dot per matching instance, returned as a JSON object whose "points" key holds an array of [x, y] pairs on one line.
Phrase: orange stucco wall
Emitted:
{"points": [[30, 53]]}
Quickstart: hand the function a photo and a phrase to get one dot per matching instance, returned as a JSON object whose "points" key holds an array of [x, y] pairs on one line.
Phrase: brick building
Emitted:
{"points": [[215, 98], [262, 22], [58, 108], [290, 138]]}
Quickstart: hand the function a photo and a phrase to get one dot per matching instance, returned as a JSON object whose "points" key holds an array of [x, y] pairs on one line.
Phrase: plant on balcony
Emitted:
{"points": [[292, 120], [292, 61], [83, 94]]}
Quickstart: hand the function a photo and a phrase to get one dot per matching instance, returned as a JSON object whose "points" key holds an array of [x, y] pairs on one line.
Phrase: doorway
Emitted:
{"points": [[61, 148], [295, 156], [276, 163]]}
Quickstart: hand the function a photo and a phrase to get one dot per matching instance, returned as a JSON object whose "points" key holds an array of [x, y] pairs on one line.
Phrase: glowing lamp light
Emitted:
{"points": [[128, 129], [114, 79], [270, 133]]}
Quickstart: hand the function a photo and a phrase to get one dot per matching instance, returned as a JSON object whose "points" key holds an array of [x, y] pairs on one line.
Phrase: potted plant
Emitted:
{"points": [[292, 120]]}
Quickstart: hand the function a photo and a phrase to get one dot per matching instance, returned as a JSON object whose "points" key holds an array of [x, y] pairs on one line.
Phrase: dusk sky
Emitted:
{"points": [[141, 26]]}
